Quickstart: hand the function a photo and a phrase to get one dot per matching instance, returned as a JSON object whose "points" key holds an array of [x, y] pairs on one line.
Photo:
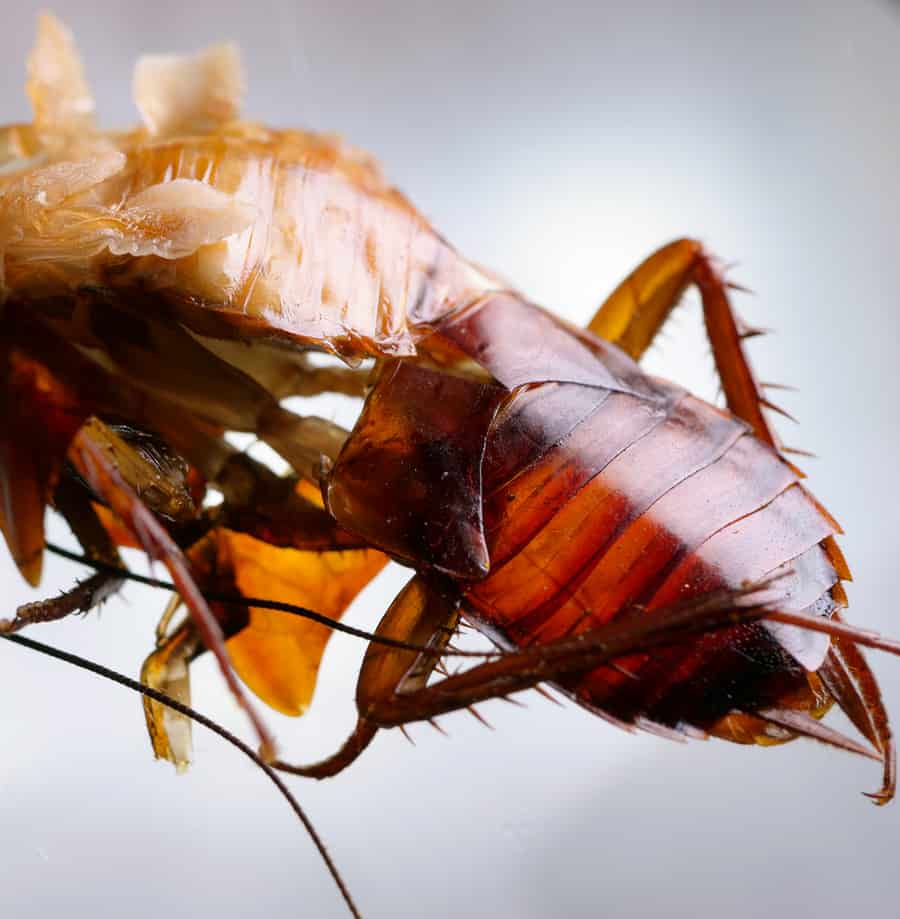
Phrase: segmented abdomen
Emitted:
{"points": [[559, 487], [624, 500]]}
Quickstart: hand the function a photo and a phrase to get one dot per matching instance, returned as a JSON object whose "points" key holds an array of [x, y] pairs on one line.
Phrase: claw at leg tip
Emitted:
{"points": [[879, 798]]}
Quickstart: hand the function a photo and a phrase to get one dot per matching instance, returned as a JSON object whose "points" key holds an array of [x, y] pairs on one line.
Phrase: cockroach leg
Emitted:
{"points": [[631, 318], [278, 510], [194, 378], [529, 667], [289, 373], [743, 394], [805, 725], [847, 677], [95, 466], [363, 734], [419, 615], [81, 598], [347, 381], [72, 501], [392, 690], [635, 312], [165, 621], [301, 441]]}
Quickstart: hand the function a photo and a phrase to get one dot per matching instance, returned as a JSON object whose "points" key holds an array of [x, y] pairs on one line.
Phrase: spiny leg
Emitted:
{"points": [[847, 677], [347, 381], [73, 502], [418, 615], [94, 463], [392, 689], [289, 373], [635, 312], [527, 668], [194, 378]]}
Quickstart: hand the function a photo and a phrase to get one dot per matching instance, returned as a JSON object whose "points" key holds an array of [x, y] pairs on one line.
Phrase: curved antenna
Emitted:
{"points": [[262, 603], [210, 725]]}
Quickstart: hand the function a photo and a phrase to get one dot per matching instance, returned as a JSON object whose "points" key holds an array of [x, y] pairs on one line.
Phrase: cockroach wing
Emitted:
{"points": [[275, 653], [278, 654], [542, 349]]}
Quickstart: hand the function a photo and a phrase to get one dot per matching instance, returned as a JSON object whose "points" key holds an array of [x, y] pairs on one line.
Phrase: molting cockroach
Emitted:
{"points": [[653, 557]]}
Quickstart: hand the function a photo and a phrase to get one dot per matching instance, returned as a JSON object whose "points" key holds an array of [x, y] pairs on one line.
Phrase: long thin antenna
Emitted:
{"points": [[164, 699], [262, 603]]}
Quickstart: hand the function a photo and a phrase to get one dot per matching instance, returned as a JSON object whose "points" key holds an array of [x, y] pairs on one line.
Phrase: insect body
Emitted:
{"points": [[616, 536], [563, 492]]}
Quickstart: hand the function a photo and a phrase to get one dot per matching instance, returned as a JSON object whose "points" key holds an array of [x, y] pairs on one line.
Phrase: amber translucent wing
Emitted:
{"points": [[277, 655]]}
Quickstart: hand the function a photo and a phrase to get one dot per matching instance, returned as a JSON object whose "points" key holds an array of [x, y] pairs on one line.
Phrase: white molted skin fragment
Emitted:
{"points": [[59, 94], [174, 219], [177, 725], [327, 253], [18, 145], [189, 93], [52, 185], [41, 215], [71, 211]]}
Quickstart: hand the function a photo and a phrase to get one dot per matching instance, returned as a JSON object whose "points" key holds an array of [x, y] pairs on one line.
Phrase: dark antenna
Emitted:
{"points": [[262, 603], [164, 699]]}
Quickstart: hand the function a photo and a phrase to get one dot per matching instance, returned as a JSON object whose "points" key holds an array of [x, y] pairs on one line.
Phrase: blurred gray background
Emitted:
{"points": [[558, 144]]}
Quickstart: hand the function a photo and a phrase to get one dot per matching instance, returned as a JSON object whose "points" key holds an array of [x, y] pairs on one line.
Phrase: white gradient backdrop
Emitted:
{"points": [[558, 144]]}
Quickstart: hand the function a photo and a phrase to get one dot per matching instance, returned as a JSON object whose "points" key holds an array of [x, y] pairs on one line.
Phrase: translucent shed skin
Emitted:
{"points": [[245, 233], [173, 276]]}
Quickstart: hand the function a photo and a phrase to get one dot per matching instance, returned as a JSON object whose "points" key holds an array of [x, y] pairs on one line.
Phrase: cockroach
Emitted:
{"points": [[656, 559]]}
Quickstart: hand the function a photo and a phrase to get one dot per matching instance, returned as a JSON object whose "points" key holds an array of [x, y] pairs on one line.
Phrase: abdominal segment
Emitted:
{"points": [[641, 504]]}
